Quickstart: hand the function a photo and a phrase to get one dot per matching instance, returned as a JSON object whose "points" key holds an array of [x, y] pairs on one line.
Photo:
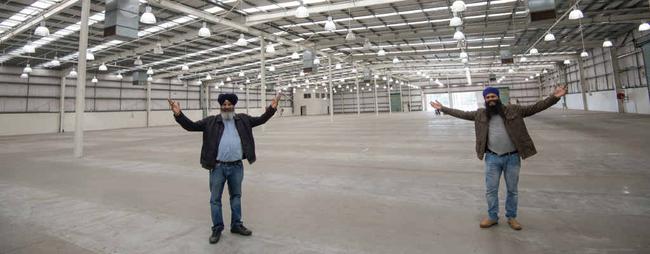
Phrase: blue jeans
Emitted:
{"points": [[494, 165], [219, 175]]}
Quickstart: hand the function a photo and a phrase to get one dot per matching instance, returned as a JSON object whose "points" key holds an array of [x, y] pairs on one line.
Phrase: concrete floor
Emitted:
{"points": [[405, 183]]}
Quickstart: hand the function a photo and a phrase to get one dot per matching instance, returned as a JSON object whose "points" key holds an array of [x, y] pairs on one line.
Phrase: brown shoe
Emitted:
{"points": [[486, 223], [514, 224]]}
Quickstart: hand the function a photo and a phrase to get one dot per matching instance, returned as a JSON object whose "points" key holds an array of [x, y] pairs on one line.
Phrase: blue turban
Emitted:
{"points": [[227, 96], [489, 90]]}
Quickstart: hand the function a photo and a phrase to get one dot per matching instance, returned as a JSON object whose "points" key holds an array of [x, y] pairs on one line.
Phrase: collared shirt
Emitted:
{"points": [[499, 141], [230, 145]]}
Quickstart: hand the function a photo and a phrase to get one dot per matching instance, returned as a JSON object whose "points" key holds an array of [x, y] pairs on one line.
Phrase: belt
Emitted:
{"points": [[229, 162], [505, 154]]}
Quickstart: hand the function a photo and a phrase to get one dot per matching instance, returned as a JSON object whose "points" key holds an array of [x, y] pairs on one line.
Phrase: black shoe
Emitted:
{"points": [[214, 238], [240, 229]]}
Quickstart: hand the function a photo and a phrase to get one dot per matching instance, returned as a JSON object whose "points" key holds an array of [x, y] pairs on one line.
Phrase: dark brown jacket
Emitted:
{"points": [[514, 122], [212, 128]]}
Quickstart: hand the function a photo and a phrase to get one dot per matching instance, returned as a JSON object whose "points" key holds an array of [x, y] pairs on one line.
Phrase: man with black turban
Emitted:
{"points": [[227, 140], [502, 137]]}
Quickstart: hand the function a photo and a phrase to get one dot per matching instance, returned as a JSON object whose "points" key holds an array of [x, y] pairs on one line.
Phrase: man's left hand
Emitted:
{"points": [[560, 91], [276, 100]]}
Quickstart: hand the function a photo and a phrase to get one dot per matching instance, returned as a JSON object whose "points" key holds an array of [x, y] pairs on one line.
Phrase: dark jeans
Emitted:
{"points": [[219, 175]]}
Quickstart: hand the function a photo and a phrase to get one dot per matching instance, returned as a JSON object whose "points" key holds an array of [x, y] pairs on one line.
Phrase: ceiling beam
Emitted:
{"points": [[165, 42], [37, 19], [168, 4], [268, 17]]}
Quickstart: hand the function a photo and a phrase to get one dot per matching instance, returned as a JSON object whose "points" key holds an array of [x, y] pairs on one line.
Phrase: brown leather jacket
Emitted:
{"points": [[514, 122]]}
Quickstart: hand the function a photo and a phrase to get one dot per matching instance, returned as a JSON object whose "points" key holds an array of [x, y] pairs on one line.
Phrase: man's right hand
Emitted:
{"points": [[436, 104], [175, 106]]}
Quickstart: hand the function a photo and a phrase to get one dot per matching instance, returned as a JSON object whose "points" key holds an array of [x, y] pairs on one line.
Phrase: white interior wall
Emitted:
{"points": [[31, 106], [599, 77], [314, 105], [637, 101], [347, 101]]}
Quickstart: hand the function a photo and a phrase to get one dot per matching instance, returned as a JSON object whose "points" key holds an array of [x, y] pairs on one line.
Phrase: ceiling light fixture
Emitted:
{"points": [[137, 61], [89, 55], [459, 35], [270, 48], [458, 6], [148, 17], [576, 14], [549, 37], [73, 73], [607, 43], [350, 36], [27, 69], [644, 27], [366, 44], [29, 48], [330, 26], [204, 31], [455, 21], [56, 62], [302, 11], [381, 52], [42, 30], [242, 42], [158, 50]]}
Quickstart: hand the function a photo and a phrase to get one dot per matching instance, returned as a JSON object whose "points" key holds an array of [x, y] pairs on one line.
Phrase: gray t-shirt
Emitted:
{"points": [[498, 139]]}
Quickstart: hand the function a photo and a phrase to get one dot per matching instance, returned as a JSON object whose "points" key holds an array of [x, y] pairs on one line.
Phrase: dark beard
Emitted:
{"points": [[493, 110]]}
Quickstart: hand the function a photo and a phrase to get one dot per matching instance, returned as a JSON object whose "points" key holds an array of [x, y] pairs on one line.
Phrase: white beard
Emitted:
{"points": [[228, 115]]}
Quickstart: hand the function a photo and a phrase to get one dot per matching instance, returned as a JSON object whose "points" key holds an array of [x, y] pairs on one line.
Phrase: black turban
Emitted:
{"points": [[227, 96]]}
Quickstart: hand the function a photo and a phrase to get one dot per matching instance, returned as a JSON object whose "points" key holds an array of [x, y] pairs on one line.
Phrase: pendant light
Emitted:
{"points": [[242, 42], [42, 30], [204, 31], [148, 17], [302, 11], [330, 26]]}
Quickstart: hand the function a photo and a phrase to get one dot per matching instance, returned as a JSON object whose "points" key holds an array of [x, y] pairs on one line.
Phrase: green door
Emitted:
{"points": [[504, 95], [395, 102]]}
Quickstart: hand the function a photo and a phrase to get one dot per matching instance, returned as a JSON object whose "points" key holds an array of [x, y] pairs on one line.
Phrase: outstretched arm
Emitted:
{"points": [[181, 119], [467, 115], [542, 105], [270, 111]]}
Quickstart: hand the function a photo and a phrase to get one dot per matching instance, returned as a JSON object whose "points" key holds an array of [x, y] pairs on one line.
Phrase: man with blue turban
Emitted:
{"points": [[227, 140], [502, 138]]}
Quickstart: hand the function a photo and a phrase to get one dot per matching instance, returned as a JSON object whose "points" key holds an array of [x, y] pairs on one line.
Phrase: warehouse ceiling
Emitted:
{"points": [[415, 38]]}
